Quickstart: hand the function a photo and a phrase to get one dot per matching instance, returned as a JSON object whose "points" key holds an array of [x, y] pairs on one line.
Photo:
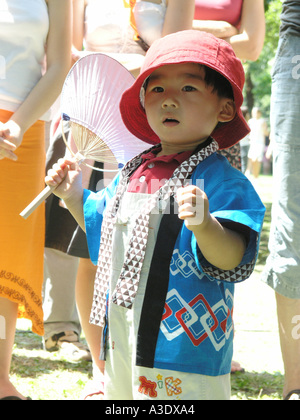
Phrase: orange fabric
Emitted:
{"points": [[130, 4], [22, 241]]}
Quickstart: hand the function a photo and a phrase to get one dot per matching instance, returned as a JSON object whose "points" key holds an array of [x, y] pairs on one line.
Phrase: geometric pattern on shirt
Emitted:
{"points": [[236, 275], [200, 319], [128, 282]]}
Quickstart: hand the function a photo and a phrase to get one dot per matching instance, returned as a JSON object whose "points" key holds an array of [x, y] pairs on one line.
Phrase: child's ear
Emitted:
{"points": [[228, 110]]}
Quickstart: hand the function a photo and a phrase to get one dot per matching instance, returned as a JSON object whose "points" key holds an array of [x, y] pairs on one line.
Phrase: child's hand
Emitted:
{"points": [[221, 247], [193, 206], [65, 175]]}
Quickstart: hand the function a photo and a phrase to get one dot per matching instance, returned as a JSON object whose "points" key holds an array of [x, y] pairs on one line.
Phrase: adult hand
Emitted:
{"points": [[10, 139], [76, 55]]}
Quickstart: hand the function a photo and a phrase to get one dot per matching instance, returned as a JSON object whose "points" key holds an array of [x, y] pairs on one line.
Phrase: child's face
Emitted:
{"points": [[181, 109]]}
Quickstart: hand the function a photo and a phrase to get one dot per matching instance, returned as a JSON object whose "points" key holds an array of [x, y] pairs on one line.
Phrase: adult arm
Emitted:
{"points": [[249, 43], [48, 88], [179, 16], [218, 28], [78, 23], [248, 40]]}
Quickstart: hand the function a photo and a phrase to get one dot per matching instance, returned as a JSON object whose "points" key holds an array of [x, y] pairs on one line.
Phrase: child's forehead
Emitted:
{"points": [[184, 70]]}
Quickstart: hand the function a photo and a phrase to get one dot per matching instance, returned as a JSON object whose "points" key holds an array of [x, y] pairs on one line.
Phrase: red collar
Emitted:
{"points": [[154, 171]]}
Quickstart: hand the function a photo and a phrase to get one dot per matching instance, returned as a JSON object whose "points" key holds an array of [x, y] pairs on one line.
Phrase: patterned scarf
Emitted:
{"points": [[128, 282]]}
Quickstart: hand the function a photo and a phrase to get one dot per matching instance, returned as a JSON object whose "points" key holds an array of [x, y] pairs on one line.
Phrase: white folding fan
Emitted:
{"points": [[90, 102]]}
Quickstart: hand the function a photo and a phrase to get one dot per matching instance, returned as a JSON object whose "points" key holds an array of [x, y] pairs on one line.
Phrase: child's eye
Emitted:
{"points": [[189, 89], [158, 89]]}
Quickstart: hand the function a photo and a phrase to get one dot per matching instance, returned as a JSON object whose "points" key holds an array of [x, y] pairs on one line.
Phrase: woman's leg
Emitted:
{"points": [[9, 312], [288, 311], [256, 166]]}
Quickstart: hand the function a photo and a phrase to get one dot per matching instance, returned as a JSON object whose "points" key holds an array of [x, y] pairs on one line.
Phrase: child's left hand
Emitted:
{"points": [[224, 248], [193, 206]]}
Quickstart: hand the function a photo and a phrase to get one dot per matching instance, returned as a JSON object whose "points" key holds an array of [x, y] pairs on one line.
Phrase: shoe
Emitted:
{"points": [[69, 346], [293, 395], [94, 391], [236, 367]]}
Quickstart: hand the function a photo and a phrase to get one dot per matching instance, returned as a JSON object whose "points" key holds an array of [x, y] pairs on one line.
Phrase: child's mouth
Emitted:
{"points": [[170, 122]]}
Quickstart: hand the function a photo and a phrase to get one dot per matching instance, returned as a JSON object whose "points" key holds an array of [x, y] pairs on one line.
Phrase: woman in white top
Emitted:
{"points": [[35, 50], [106, 27]]}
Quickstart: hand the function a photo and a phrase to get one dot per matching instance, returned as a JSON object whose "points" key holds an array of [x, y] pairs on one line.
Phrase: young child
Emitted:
{"points": [[176, 228]]}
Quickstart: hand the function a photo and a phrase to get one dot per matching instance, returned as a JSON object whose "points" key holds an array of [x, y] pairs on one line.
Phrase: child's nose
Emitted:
{"points": [[170, 101]]}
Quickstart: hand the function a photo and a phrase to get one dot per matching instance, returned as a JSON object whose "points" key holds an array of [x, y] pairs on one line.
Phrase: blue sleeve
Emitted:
{"points": [[94, 205], [232, 198]]}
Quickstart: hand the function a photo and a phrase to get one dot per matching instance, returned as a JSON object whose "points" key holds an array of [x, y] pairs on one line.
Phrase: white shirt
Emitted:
{"points": [[150, 18], [257, 134], [106, 25], [24, 26]]}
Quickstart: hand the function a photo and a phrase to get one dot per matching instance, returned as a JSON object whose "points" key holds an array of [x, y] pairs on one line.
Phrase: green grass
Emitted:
{"points": [[46, 376], [43, 375]]}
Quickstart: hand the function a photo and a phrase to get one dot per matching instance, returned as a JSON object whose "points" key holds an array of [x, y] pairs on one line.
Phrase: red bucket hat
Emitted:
{"points": [[188, 47]]}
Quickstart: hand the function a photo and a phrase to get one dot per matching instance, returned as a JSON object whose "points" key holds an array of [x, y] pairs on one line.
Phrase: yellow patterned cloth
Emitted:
{"points": [[22, 241]]}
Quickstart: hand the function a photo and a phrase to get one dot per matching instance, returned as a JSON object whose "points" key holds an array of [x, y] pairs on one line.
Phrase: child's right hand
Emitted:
{"points": [[65, 175]]}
